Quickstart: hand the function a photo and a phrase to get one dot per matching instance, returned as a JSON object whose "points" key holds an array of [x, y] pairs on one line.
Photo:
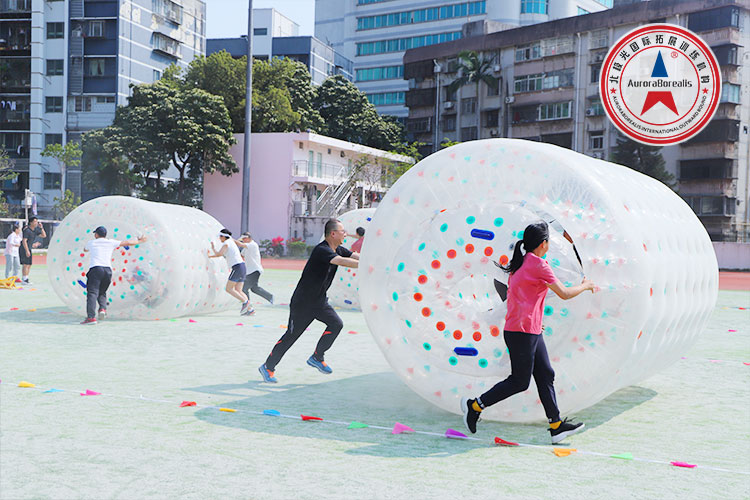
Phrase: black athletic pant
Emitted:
{"points": [[299, 319], [251, 283], [528, 356], [98, 280]]}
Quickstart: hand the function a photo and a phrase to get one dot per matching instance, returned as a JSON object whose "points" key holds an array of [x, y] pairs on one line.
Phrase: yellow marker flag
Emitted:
{"points": [[563, 452], [23, 383], [230, 410]]}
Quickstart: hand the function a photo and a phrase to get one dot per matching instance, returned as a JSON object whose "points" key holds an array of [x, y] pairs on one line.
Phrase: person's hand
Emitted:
{"points": [[36, 245], [28, 254], [208, 252], [213, 247], [142, 239], [588, 285]]}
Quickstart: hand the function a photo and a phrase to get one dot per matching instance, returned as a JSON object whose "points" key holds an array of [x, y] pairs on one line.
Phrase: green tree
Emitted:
{"points": [[473, 69], [104, 166], [446, 143], [645, 159], [6, 173], [66, 203], [165, 125], [68, 155]]}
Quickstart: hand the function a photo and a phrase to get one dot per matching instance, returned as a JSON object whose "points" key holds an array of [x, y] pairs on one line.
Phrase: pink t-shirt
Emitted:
{"points": [[527, 289], [357, 245]]}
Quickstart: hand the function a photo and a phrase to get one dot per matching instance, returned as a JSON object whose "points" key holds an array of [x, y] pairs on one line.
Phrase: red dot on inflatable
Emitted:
{"points": [[451, 254], [457, 334], [503, 260], [114, 283], [422, 279], [440, 326], [477, 336], [126, 261], [120, 278], [651, 292], [417, 296], [83, 274], [494, 331], [488, 251], [82, 255], [122, 253], [469, 248], [435, 264], [426, 311], [123, 269], [80, 264]]}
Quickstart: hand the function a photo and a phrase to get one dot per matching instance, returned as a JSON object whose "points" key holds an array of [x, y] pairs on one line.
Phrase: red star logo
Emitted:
{"points": [[705, 91], [659, 96], [613, 90]]}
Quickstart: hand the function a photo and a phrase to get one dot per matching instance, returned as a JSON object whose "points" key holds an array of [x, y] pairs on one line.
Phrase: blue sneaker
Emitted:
{"points": [[320, 365], [267, 374]]}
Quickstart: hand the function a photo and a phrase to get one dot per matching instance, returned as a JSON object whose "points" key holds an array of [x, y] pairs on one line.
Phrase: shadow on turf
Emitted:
{"points": [[382, 399]]}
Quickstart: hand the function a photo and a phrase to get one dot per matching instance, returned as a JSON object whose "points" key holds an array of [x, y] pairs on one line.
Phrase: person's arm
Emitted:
{"points": [[568, 292], [345, 261], [354, 255], [216, 254], [25, 243], [127, 243], [43, 234], [240, 244]]}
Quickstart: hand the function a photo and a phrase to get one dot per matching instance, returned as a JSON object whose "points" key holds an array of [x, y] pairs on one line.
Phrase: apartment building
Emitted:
{"points": [[548, 91], [65, 65], [376, 33]]}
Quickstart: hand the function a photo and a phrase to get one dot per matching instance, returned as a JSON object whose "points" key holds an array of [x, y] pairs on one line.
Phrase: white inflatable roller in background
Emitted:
{"points": [[426, 280], [344, 289], [168, 276]]}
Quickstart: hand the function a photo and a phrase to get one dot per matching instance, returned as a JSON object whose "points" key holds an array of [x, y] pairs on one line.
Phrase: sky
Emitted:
{"points": [[228, 18]]}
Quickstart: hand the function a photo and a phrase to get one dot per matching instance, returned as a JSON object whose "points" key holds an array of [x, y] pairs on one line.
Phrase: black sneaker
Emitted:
{"points": [[565, 429], [471, 416]]}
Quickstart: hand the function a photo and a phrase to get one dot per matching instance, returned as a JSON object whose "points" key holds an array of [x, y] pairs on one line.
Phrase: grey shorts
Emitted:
{"points": [[238, 273]]}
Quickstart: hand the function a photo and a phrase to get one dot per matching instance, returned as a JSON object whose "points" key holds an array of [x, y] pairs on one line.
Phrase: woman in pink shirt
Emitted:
{"points": [[530, 277]]}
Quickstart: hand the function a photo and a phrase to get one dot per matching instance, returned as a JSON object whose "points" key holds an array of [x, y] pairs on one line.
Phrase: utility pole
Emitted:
{"points": [[245, 217]]}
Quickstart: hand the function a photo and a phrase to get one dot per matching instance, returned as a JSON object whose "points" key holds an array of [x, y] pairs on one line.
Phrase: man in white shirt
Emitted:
{"points": [[251, 253], [12, 260], [99, 276]]}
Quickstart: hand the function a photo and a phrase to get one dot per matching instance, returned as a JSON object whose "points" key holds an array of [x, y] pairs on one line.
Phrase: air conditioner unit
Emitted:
{"points": [[448, 105], [598, 155], [599, 57], [342, 154], [493, 132], [591, 111], [510, 99], [496, 68]]}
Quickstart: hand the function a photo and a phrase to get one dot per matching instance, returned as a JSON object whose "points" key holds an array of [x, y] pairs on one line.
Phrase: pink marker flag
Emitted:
{"points": [[187, 403], [454, 434], [684, 464], [89, 392], [309, 417], [503, 442], [398, 428], [192, 321]]}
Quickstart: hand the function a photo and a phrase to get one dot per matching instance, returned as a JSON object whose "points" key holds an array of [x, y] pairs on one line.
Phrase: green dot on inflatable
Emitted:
{"points": [[78, 239], [88, 231], [460, 241], [132, 287], [548, 310], [453, 360], [426, 346], [483, 363], [408, 323], [498, 222], [68, 252], [116, 229], [140, 258], [68, 269], [395, 296], [443, 228], [400, 267], [520, 235], [421, 247], [127, 236], [471, 219]]}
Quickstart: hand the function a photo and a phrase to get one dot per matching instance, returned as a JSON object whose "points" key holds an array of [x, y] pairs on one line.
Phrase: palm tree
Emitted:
{"points": [[473, 69]]}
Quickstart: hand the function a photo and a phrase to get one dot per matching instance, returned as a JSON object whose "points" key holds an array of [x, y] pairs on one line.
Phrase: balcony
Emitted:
{"points": [[9, 8], [166, 45], [722, 36], [718, 131], [705, 169], [419, 98], [326, 172]]}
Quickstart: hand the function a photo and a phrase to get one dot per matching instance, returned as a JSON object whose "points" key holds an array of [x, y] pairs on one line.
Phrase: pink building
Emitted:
{"points": [[298, 180]]}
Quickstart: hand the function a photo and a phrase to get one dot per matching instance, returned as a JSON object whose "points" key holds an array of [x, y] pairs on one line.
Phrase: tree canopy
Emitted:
{"points": [[645, 159]]}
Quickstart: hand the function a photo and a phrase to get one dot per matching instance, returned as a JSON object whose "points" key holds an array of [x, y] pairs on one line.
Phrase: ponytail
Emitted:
{"points": [[515, 263]]}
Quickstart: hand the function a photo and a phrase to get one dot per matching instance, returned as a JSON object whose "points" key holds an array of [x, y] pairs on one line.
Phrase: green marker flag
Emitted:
{"points": [[623, 456], [357, 425]]}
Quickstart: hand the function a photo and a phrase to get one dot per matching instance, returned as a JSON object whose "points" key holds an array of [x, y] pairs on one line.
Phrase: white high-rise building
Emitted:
{"points": [[375, 33], [267, 25]]}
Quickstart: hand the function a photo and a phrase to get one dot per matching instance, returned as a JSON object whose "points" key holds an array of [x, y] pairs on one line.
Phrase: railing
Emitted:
{"points": [[13, 6], [76, 9], [305, 168]]}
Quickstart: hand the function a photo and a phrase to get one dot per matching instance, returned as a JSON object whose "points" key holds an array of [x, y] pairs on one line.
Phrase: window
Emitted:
{"points": [[166, 45], [582, 12], [528, 52], [401, 44], [491, 118], [52, 139], [53, 105], [596, 139], [544, 81], [168, 9], [422, 15], [469, 105], [54, 67], [418, 125], [449, 123], [96, 29], [81, 104], [449, 96], [556, 111], [599, 39], [55, 30], [95, 66], [468, 134], [596, 70], [714, 19], [493, 90], [156, 75], [380, 73], [527, 83], [52, 180], [534, 6], [260, 31], [595, 108], [386, 98], [730, 93], [105, 99], [726, 54]]}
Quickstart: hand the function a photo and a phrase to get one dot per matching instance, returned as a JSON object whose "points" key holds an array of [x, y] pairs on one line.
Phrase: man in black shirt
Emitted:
{"points": [[309, 301], [30, 233]]}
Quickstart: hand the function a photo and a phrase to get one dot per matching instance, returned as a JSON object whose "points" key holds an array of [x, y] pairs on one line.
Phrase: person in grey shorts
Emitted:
{"points": [[12, 260], [231, 253], [251, 254]]}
